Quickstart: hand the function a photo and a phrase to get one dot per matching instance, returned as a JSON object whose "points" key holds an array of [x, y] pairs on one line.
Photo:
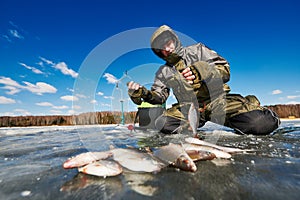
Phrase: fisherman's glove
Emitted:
{"points": [[137, 96], [180, 66], [197, 81]]}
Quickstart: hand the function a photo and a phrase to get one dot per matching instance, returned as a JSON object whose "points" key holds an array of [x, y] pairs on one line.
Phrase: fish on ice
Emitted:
{"points": [[102, 168], [199, 155], [86, 158], [136, 161], [175, 155], [218, 153], [204, 143], [182, 156]]}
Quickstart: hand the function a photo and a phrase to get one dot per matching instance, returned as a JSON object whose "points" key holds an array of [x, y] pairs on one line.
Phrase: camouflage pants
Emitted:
{"points": [[243, 114]]}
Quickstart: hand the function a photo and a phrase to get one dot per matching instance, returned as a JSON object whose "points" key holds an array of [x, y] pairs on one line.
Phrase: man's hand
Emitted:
{"points": [[188, 75], [136, 90], [133, 86]]}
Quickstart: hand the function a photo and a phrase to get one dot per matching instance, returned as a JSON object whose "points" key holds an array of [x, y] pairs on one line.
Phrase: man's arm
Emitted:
{"points": [[215, 60], [157, 95]]}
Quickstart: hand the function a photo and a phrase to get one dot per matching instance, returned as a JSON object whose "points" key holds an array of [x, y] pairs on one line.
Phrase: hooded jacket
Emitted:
{"points": [[210, 69]]}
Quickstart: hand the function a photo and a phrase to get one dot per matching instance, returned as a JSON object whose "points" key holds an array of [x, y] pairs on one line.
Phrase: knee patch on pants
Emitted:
{"points": [[256, 122]]}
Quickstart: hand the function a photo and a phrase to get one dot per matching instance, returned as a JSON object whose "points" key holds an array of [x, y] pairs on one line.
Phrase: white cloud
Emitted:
{"points": [[274, 92], [16, 34], [41, 64], [293, 97], [105, 105], [108, 97], [69, 98], [93, 101], [71, 112], [46, 104], [75, 110], [49, 62], [100, 93], [56, 112], [12, 90], [5, 100], [37, 88], [81, 96], [22, 112], [70, 89], [76, 107], [293, 102], [8, 81], [110, 78], [7, 38], [33, 69], [7, 114], [13, 24], [62, 66], [60, 107], [13, 33]]}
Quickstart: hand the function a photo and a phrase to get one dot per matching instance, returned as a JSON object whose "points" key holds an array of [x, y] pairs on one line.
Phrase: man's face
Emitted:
{"points": [[168, 48]]}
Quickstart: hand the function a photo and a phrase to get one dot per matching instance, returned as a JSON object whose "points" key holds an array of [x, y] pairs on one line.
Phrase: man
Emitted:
{"points": [[198, 75]]}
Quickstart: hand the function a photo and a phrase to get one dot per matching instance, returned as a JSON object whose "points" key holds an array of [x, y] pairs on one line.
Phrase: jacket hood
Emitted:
{"points": [[160, 37]]}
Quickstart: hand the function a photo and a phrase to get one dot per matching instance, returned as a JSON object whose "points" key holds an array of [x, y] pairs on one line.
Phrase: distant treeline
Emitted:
{"points": [[81, 119], [287, 111], [284, 111]]}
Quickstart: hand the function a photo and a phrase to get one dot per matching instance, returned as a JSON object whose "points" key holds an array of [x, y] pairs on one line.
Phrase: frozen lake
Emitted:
{"points": [[31, 165]]}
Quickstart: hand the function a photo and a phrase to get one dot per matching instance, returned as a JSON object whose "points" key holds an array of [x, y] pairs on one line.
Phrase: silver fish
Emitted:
{"points": [[197, 155], [217, 152], [85, 158], [175, 155], [193, 118], [204, 143], [136, 161], [102, 168]]}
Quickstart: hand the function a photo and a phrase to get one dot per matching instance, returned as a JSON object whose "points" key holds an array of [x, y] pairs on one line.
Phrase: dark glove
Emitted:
{"points": [[137, 95], [197, 81]]}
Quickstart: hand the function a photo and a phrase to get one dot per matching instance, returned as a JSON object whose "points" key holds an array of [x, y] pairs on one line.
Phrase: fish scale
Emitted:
{"points": [[136, 161], [102, 168]]}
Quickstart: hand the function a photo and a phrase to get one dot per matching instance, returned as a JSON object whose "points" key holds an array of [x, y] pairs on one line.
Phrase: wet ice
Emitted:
{"points": [[31, 164]]}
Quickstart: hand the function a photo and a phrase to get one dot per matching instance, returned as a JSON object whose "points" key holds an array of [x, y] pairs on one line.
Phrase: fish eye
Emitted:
{"points": [[185, 161]]}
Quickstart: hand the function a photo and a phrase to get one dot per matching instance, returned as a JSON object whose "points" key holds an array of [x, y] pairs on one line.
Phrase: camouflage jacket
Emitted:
{"points": [[211, 70]]}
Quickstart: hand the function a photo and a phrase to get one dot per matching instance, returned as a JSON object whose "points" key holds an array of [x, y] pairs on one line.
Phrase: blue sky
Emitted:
{"points": [[53, 60]]}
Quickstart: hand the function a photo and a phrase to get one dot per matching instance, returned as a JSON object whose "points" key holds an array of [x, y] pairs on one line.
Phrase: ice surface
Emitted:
{"points": [[31, 165]]}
